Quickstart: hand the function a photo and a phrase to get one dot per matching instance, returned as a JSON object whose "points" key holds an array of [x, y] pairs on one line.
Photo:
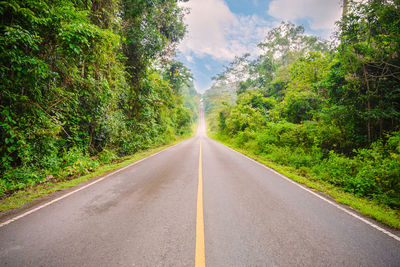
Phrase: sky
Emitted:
{"points": [[219, 30]]}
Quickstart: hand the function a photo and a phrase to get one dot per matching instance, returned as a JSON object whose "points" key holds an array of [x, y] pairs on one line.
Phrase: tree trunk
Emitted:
{"points": [[368, 103]]}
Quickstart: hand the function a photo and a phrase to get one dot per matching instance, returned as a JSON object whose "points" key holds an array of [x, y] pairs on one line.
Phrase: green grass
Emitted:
{"points": [[27, 195], [368, 207]]}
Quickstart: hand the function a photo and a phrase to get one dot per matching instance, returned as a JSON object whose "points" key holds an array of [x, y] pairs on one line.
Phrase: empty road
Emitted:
{"points": [[183, 205]]}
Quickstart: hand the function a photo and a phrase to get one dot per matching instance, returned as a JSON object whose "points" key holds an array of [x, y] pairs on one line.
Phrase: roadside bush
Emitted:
{"points": [[242, 138], [106, 156], [372, 172], [265, 137], [76, 162], [18, 178], [338, 170]]}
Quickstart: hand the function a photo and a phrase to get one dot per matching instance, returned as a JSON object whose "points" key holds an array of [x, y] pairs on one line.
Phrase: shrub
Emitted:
{"points": [[337, 169], [106, 156]]}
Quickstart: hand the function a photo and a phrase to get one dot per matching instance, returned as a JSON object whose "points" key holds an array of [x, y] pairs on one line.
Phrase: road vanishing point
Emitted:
{"points": [[194, 204]]}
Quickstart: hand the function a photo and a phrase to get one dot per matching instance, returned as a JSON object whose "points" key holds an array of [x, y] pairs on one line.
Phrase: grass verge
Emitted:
{"points": [[25, 196], [368, 207]]}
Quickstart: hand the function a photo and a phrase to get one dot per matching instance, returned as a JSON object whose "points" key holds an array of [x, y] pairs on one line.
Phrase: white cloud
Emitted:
{"points": [[215, 31], [189, 58], [320, 14]]}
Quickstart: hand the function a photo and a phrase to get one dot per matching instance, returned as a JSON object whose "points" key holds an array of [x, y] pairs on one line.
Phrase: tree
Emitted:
{"points": [[288, 41], [369, 51]]}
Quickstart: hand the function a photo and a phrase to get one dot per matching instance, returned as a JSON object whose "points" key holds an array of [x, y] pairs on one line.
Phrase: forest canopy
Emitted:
{"points": [[84, 82]]}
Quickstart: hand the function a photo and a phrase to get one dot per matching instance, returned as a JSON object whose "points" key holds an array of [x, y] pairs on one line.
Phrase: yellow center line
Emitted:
{"points": [[200, 259]]}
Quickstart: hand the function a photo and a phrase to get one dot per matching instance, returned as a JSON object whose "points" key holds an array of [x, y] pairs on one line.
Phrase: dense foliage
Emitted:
{"points": [[83, 82], [333, 113]]}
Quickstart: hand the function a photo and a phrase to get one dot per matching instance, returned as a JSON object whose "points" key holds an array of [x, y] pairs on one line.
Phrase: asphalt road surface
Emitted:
{"points": [[150, 214]]}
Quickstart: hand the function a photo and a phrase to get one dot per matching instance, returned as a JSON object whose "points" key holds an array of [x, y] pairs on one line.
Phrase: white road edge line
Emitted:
{"points": [[317, 195], [83, 187]]}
